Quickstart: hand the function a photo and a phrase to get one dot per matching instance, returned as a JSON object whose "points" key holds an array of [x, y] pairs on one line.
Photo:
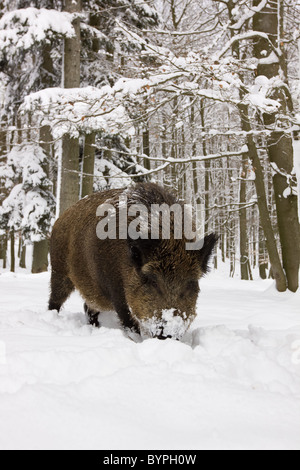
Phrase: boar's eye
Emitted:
{"points": [[150, 280]]}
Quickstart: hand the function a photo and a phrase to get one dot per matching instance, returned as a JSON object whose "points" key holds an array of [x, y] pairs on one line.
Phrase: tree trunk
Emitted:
{"points": [[279, 275], [3, 146], [12, 251], [279, 144], [262, 261], [69, 189], [146, 147], [174, 142], [280, 152], [40, 257], [194, 165], [22, 262], [3, 153], [244, 259], [40, 248], [88, 164], [4, 250], [206, 171]]}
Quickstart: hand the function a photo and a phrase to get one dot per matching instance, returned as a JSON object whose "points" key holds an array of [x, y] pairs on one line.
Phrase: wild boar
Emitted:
{"points": [[152, 282]]}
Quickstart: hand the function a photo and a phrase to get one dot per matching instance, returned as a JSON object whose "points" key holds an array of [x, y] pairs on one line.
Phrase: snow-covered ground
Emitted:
{"points": [[232, 383]]}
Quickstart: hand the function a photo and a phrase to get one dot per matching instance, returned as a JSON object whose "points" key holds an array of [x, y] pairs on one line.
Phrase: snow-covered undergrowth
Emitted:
{"points": [[233, 382]]}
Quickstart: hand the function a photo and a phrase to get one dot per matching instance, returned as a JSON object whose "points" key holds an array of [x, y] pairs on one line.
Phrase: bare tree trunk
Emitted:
{"points": [[3, 153], [3, 243], [262, 260], [22, 262], [174, 142], [146, 147], [40, 248], [280, 152], [69, 190], [3, 146], [40, 257], [12, 251], [244, 258], [206, 172], [279, 275], [88, 164], [231, 226], [279, 144], [194, 165]]}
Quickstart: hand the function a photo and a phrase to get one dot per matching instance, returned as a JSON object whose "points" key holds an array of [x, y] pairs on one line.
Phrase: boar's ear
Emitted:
{"points": [[205, 252]]}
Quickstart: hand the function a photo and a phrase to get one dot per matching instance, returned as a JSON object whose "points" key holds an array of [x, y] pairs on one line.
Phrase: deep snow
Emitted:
{"points": [[232, 383]]}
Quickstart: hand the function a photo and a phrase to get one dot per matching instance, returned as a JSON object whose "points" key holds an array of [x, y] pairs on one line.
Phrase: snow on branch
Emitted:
{"points": [[258, 95], [164, 163], [74, 110], [83, 110], [21, 29], [249, 14], [246, 36]]}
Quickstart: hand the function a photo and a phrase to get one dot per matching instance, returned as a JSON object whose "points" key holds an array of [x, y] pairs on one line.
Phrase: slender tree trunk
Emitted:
{"points": [[12, 251], [262, 259], [279, 144], [4, 252], [3, 153], [146, 147], [69, 190], [194, 164], [206, 172], [88, 164], [174, 143], [231, 225], [40, 248], [244, 258], [279, 275], [22, 262], [40, 253], [3, 145]]}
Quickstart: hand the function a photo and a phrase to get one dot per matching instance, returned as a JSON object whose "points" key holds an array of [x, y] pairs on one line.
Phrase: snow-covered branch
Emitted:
{"points": [[21, 29], [251, 11], [246, 36]]}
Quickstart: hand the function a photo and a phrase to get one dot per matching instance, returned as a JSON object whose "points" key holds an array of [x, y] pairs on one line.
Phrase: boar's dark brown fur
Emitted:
{"points": [[142, 280]]}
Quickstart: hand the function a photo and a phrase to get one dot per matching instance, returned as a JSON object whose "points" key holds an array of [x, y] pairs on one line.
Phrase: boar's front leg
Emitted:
{"points": [[126, 318]]}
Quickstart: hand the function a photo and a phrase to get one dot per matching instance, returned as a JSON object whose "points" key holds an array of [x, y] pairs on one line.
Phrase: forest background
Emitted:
{"points": [[201, 96]]}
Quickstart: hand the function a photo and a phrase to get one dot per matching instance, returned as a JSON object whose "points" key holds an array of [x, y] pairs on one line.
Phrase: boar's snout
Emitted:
{"points": [[169, 323]]}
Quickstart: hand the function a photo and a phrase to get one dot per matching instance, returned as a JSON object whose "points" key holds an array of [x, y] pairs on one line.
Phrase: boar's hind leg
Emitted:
{"points": [[92, 316], [61, 288]]}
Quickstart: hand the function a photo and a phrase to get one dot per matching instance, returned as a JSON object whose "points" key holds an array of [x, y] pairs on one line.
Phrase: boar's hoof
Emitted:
{"points": [[162, 336], [93, 316], [54, 306]]}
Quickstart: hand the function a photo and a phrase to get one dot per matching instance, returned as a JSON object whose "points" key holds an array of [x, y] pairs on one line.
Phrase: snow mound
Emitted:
{"points": [[232, 382]]}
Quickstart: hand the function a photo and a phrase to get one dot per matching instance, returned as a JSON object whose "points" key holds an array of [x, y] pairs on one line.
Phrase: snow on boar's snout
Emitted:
{"points": [[152, 284], [163, 287]]}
